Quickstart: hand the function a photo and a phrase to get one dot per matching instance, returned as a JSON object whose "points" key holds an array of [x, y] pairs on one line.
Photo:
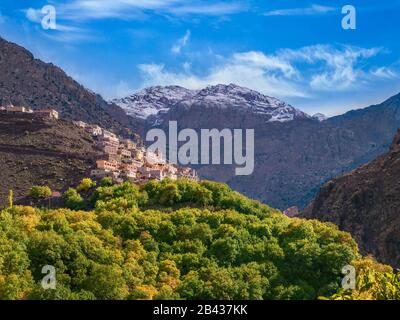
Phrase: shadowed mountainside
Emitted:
{"points": [[366, 203]]}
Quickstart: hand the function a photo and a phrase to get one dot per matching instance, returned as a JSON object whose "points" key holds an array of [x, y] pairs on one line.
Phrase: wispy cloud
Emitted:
{"points": [[252, 69], [331, 68], [182, 42], [209, 9], [62, 32], [385, 72], [307, 11], [83, 10], [71, 15], [286, 73]]}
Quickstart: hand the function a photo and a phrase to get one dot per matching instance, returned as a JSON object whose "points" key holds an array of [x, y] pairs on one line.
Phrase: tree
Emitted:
{"points": [[39, 192], [170, 195], [85, 185], [106, 182], [73, 200]]}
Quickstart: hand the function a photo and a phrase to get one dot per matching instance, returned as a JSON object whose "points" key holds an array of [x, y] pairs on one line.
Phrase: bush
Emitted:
{"points": [[73, 200], [85, 185], [39, 192]]}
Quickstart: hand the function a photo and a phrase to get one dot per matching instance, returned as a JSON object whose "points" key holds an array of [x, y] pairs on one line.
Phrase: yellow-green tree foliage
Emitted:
{"points": [[85, 185], [39, 192], [374, 281], [169, 240]]}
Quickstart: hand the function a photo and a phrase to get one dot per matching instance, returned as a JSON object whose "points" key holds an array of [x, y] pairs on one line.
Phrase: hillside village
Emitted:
{"points": [[124, 160], [121, 159]]}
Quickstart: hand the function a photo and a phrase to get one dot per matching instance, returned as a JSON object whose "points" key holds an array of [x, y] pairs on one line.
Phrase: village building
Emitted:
{"points": [[11, 108], [188, 173], [128, 167], [125, 153], [137, 163], [49, 113], [101, 144], [110, 149], [128, 144], [44, 113], [80, 124], [111, 157], [130, 175], [154, 158], [109, 135], [95, 130], [107, 165]]}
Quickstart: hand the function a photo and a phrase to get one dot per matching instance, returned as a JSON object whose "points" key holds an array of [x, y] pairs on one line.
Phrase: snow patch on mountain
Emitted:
{"points": [[320, 117], [154, 101]]}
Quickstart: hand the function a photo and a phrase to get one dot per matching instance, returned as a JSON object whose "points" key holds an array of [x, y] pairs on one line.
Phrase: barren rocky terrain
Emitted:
{"points": [[41, 152]]}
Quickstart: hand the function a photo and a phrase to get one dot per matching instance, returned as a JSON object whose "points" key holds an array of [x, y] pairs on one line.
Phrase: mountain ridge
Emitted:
{"points": [[151, 101]]}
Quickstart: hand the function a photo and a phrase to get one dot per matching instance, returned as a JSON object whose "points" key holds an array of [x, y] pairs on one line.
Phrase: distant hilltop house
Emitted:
{"points": [[49, 113], [123, 159], [43, 113]]}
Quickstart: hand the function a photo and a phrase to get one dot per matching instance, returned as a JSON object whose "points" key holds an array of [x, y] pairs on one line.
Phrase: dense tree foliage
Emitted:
{"points": [[374, 281], [168, 240]]}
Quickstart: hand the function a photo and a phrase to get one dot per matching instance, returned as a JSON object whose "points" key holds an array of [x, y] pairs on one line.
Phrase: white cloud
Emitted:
{"points": [[332, 68], [251, 69], [313, 10], [259, 59], [70, 36], [215, 9], [385, 73], [62, 32], [79, 10], [182, 42], [303, 72]]}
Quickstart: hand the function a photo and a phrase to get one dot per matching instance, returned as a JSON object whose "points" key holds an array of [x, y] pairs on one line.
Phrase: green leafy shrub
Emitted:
{"points": [[39, 192]]}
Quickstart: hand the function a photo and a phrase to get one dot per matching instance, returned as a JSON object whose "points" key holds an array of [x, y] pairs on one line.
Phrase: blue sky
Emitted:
{"points": [[294, 50]]}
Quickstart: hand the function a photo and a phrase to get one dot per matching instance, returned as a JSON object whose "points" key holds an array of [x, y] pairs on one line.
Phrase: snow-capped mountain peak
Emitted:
{"points": [[319, 117], [154, 101]]}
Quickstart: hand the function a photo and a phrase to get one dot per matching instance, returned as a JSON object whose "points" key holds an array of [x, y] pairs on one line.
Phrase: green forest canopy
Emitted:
{"points": [[169, 240]]}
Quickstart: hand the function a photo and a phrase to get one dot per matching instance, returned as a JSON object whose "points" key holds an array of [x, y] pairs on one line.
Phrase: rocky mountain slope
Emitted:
{"points": [[366, 203], [41, 152], [30, 82], [294, 153]]}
